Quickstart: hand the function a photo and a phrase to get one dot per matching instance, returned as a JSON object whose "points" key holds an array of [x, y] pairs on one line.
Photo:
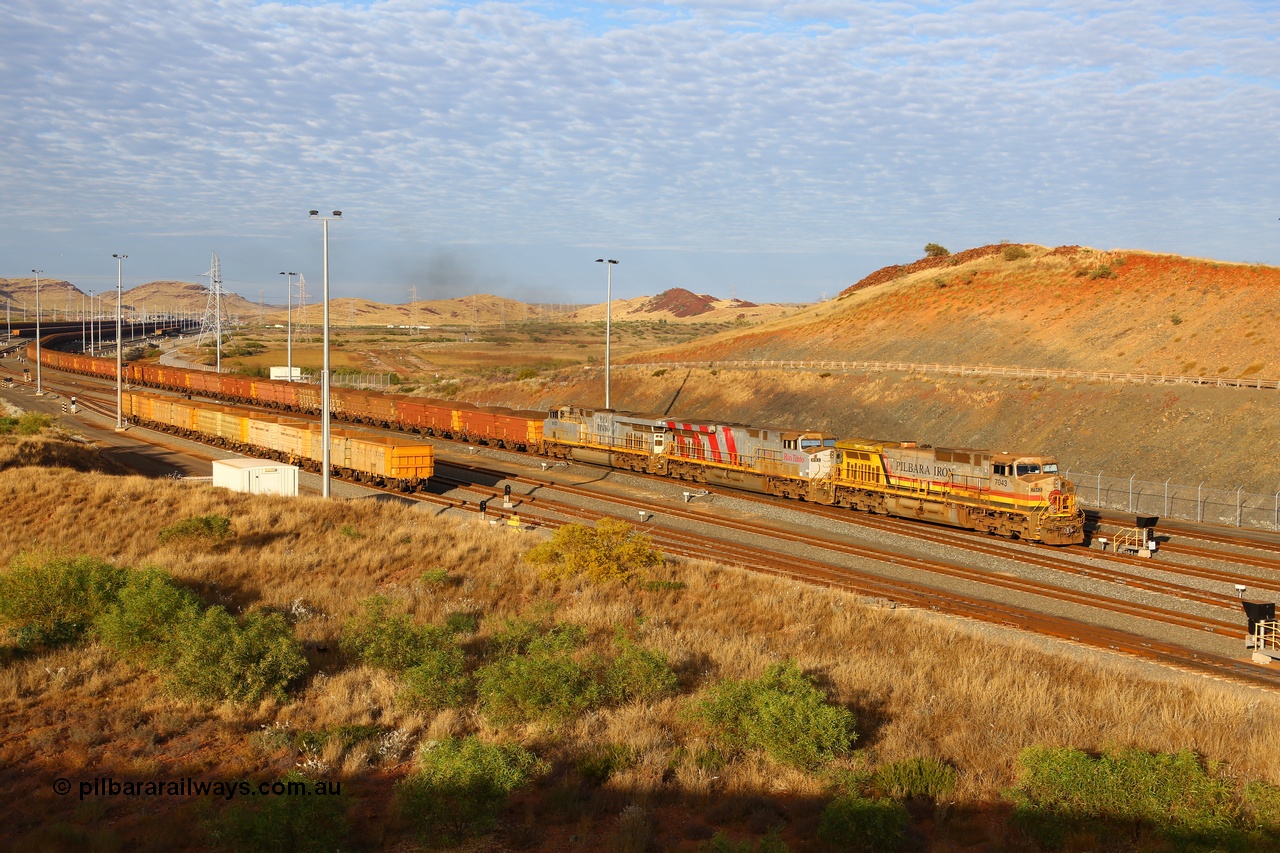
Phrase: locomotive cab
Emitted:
{"points": [[820, 450], [1035, 477]]}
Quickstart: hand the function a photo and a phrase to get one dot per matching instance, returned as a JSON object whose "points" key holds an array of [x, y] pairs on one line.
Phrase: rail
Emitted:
{"points": [[1126, 377]]}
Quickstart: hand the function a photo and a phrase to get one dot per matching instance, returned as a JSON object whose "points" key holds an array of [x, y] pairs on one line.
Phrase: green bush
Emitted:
{"points": [[438, 681], [1015, 253], [216, 657], [1262, 804], [434, 577], [461, 622], [212, 528], [1103, 271], [52, 601], [390, 640], [1171, 793], [149, 610], [315, 823], [920, 778], [782, 713], [460, 785], [612, 550], [933, 250], [599, 764], [28, 423], [542, 682], [859, 823], [638, 674]]}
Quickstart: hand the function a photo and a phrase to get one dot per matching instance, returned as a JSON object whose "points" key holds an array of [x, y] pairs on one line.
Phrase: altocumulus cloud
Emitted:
{"points": [[741, 126]]}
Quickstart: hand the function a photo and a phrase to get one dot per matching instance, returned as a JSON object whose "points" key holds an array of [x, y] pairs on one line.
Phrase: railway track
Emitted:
{"points": [[870, 585], [816, 566]]}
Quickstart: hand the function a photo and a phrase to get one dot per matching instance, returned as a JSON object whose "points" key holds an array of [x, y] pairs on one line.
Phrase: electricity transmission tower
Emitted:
{"points": [[304, 327], [211, 323]]}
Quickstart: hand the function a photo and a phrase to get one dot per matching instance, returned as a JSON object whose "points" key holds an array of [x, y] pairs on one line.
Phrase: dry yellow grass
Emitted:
{"points": [[920, 685]]}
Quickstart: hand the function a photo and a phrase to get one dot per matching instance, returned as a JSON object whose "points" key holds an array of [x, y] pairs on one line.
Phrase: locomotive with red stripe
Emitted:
{"points": [[787, 462], [1021, 496]]}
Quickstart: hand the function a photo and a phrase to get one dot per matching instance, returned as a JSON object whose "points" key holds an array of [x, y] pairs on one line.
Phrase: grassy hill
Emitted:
{"points": [[1068, 307], [421, 661]]}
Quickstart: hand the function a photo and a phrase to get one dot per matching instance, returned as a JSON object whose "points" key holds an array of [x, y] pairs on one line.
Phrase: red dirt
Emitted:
{"points": [[681, 303], [893, 271]]}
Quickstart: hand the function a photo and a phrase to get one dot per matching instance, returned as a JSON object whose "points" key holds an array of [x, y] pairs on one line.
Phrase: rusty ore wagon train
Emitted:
{"points": [[1021, 496], [358, 455]]}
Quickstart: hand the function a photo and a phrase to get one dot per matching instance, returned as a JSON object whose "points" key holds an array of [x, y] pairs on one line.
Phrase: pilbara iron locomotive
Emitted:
{"points": [[1021, 496]]}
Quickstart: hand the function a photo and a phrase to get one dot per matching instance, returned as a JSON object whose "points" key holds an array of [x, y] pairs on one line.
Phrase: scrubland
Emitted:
{"points": [[947, 704]]}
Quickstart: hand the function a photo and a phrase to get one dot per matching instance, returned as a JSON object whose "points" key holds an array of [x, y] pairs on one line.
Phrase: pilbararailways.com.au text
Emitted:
{"points": [[106, 786]]}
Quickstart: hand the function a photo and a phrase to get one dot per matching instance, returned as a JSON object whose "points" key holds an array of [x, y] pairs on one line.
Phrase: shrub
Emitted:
{"points": [[661, 371], [389, 640], [1175, 318], [1262, 804], [461, 622], [216, 657], [1172, 793], [638, 674], [920, 778], [858, 823], [599, 764], [149, 610], [438, 681], [782, 713], [1103, 271], [527, 373], [54, 601], [537, 678], [28, 423], [662, 586], [213, 528], [1015, 253], [461, 784], [611, 550], [315, 822], [349, 531], [434, 576], [933, 250]]}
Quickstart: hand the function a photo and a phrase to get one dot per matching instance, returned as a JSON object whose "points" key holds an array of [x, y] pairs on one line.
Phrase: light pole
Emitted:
{"points": [[119, 342], [39, 388], [288, 287], [324, 374], [608, 321]]}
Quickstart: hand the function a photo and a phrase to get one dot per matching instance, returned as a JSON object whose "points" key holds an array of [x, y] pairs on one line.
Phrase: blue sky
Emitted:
{"points": [[776, 150]]}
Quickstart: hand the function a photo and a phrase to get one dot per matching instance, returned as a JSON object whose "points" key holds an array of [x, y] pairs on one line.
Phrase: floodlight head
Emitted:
{"points": [[598, 261], [1240, 588], [612, 261], [315, 213], [337, 213]]}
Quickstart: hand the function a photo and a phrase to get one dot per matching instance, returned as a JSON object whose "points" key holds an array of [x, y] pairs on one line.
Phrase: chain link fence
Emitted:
{"points": [[1234, 507]]}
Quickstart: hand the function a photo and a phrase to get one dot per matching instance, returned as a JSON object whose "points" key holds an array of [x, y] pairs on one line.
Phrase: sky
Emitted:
{"points": [[774, 151]]}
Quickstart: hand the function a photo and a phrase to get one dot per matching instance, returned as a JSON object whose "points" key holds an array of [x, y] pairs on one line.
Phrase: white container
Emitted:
{"points": [[283, 373], [256, 476]]}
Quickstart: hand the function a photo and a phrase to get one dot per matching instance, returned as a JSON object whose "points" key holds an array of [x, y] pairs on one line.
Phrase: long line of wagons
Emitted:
{"points": [[1018, 495]]}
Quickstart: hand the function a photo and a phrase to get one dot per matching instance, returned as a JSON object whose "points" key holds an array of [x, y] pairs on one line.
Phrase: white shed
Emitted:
{"points": [[256, 476]]}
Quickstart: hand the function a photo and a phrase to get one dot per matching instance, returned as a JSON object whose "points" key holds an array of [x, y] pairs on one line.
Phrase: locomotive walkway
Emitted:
{"points": [[970, 370]]}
